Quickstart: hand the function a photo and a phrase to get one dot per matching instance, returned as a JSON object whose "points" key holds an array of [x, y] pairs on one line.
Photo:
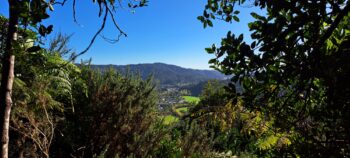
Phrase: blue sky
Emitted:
{"points": [[166, 31]]}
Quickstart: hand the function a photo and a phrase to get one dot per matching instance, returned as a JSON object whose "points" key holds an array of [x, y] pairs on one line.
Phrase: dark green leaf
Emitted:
{"points": [[34, 49], [209, 50], [235, 18], [253, 45], [212, 61], [210, 23], [42, 30]]}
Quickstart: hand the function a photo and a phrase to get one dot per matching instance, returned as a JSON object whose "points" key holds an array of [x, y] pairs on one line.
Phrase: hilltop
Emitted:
{"points": [[167, 74]]}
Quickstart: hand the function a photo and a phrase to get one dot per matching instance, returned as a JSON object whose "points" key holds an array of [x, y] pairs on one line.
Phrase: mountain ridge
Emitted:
{"points": [[155, 63], [167, 73]]}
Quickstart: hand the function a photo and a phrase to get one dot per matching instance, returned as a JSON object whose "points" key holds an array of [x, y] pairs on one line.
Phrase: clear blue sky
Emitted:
{"points": [[166, 31]]}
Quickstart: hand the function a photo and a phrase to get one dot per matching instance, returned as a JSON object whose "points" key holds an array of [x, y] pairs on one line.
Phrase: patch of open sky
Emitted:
{"points": [[165, 31]]}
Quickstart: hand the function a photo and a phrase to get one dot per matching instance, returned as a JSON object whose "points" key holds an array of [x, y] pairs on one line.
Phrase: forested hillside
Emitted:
{"points": [[167, 74]]}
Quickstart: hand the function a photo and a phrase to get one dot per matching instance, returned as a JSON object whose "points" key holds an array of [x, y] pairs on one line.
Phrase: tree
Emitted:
{"points": [[295, 71], [40, 98], [29, 14], [115, 116]]}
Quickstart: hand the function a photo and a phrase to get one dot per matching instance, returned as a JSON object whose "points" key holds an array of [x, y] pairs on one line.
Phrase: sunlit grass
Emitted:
{"points": [[191, 99], [182, 110], [169, 119]]}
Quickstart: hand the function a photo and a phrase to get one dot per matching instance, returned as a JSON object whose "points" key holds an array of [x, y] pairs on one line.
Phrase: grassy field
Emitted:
{"points": [[179, 110], [182, 110], [191, 99], [169, 119]]}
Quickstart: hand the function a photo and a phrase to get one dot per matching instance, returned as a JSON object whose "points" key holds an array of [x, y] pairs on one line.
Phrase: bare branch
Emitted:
{"points": [[74, 12], [112, 41], [107, 12], [52, 127], [95, 36], [115, 22], [59, 3]]}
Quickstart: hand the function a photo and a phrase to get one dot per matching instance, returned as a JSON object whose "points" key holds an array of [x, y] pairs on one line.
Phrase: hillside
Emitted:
{"points": [[196, 89], [167, 74]]}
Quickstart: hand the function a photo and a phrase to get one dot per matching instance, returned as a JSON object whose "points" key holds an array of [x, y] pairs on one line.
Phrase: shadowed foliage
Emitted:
{"points": [[295, 72]]}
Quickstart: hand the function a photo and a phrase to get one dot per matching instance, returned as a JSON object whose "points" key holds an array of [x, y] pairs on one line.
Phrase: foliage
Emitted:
{"points": [[25, 40], [60, 111], [294, 100], [196, 142], [295, 72], [115, 116], [169, 146], [3, 34], [40, 98], [196, 89], [234, 128], [214, 94], [17, 39]]}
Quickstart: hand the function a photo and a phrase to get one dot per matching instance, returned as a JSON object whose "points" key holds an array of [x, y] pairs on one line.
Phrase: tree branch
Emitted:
{"points": [[95, 36], [334, 25], [115, 22], [74, 13], [60, 3]]}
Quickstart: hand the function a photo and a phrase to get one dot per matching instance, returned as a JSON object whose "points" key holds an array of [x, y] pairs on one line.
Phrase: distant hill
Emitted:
{"points": [[167, 74], [196, 89]]}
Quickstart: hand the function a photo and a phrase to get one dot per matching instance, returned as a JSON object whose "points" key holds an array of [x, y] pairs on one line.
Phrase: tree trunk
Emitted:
{"points": [[7, 79]]}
